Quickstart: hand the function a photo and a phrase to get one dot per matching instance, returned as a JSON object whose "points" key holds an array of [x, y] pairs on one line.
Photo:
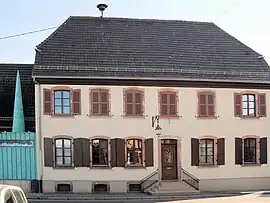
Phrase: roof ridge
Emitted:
{"points": [[138, 19]]}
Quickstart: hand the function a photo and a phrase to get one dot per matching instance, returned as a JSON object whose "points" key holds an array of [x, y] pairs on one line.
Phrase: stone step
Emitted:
{"points": [[174, 192]]}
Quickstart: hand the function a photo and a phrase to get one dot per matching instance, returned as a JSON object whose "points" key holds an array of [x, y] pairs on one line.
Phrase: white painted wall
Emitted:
{"points": [[186, 127]]}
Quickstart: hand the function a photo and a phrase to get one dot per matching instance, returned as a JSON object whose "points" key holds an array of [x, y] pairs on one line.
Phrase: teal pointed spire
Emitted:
{"points": [[18, 115]]}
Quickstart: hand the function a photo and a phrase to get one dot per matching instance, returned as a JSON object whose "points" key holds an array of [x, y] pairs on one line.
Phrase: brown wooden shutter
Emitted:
{"points": [[238, 151], [164, 104], [47, 104], [262, 105], [120, 152], [138, 111], [172, 104], [129, 103], [194, 152], [78, 151], [113, 153], [211, 104], [202, 104], [221, 151], [48, 152], [95, 102], [104, 100], [237, 105], [149, 152], [263, 150], [85, 152], [76, 101]]}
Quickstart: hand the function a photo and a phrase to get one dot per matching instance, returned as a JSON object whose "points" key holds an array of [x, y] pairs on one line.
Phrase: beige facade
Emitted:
{"points": [[182, 128]]}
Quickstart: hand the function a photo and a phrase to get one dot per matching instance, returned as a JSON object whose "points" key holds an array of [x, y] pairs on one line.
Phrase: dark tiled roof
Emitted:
{"points": [[7, 93], [86, 46]]}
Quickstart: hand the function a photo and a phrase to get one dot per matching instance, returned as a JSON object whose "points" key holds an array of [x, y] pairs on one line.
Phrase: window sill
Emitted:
{"points": [[207, 117], [100, 167], [99, 116], [250, 165], [135, 166], [169, 117], [134, 116], [249, 117], [62, 115], [63, 167], [207, 166]]}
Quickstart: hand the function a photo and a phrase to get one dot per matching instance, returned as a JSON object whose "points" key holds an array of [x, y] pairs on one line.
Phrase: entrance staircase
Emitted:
{"points": [[188, 185]]}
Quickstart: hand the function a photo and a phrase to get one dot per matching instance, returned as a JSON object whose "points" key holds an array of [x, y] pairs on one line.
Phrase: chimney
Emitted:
{"points": [[102, 8], [18, 115]]}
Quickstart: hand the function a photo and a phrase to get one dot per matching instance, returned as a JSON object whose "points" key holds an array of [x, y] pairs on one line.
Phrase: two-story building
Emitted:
{"points": [[100, 84]]}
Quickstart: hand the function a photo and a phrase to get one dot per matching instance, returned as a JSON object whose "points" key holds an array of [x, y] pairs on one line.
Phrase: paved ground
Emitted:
{"points": [[250, 198]]}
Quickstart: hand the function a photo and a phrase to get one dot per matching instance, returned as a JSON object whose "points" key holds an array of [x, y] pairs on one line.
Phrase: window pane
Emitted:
{"points": [[203, 109], [57, 102], [244, 97], [210, 143], [202, 99], [66, 102], [210, 151], [57, 109], [202, 150], [251, 105], [251, 98], [67, 152], [59, 152], [244, 105], [59, 160], [210, 99], [68, 160], [130, 143], [210, 159], [202, 159], [58, 143], [245, 112], [95, 96], [67, 143], [252, 112], [95, 108], [57, 94], [66, 95], [66, 110]]}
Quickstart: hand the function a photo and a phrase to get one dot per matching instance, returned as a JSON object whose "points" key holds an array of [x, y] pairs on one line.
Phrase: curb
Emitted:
{"points": [[178, 197]]}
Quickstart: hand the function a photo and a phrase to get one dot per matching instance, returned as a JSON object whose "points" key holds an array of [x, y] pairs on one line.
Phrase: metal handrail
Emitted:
{"points": [[190, 179]]}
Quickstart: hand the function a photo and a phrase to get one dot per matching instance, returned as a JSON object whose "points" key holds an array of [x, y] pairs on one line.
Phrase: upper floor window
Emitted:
{"points": [[206, 102], [250, 105], [134, 152], [62, 101], [63, 152], [207, 151], [134, 102], [100, 102], [100, 153], [168, 103]]}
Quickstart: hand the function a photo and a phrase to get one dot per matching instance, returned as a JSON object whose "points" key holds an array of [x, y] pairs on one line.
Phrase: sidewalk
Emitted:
{"points": [[117, 196]]}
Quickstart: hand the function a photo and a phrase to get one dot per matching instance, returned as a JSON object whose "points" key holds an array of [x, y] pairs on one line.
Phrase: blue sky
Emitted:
{"points": [[247, 20]]}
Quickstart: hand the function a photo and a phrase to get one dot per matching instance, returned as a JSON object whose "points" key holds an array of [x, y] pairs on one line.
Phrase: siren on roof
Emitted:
{"points": [[102, 8]]}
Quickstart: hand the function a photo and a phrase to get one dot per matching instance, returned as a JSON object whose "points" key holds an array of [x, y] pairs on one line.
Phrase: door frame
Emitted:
{"points": [[178, 159]]}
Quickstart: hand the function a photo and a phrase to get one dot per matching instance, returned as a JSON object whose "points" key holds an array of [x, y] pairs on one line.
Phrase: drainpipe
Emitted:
{"points": [[38, 125]]}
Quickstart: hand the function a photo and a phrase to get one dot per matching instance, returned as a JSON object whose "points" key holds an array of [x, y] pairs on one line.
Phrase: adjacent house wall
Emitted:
{"points": [[185, 126]]}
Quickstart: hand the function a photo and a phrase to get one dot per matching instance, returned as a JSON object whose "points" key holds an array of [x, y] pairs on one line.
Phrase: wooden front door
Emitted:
{"points": [[169, 159]]}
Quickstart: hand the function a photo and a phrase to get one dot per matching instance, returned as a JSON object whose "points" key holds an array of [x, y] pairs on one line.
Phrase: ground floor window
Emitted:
{"points": [[63, 187], [100, 188]]}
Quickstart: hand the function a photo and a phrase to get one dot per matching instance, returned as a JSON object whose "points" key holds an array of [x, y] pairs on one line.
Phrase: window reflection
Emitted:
{"points": [[63, 152], [134, 151], [100, 152], [62, 102]]}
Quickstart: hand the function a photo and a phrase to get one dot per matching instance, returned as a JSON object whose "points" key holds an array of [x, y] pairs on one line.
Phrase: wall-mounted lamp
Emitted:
{"points": [[158, 129]]}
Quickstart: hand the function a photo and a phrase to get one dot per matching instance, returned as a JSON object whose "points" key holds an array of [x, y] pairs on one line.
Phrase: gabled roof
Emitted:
{"points": [[7, 94], [144, 48]]}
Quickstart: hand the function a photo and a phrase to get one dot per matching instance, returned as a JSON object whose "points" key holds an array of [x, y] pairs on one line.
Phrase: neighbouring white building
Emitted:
{"points": [[100, 84]]}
